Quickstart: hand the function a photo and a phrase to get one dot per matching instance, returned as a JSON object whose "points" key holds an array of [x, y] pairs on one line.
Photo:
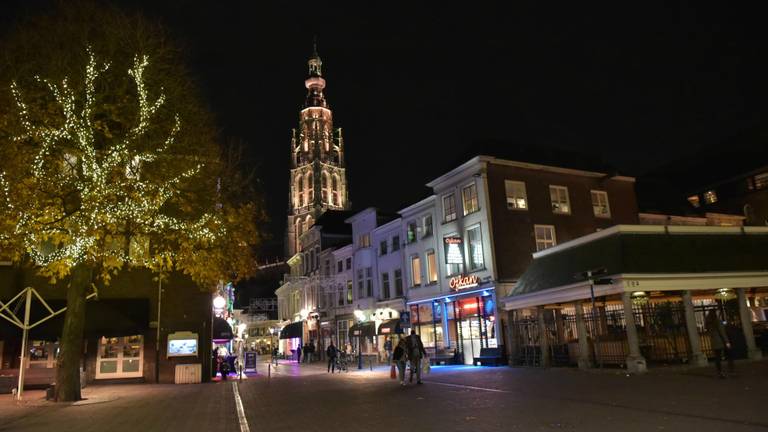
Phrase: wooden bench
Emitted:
{"points": [[490, 355]]}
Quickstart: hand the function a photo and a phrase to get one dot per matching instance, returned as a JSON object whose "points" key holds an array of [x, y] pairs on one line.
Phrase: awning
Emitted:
{"points": [[366, 329], [390, 327], [108, 317], [292, 330], [221, 329]]}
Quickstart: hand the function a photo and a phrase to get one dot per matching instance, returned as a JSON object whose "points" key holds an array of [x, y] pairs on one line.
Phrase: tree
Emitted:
{"points": [[101, 168]]}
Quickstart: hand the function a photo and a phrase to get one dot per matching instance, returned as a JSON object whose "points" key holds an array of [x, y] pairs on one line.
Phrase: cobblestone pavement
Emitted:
{"points": [[454, 398]]}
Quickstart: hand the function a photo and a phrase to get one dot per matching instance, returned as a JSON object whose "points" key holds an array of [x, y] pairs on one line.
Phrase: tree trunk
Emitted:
{"points": [[71, 344]]}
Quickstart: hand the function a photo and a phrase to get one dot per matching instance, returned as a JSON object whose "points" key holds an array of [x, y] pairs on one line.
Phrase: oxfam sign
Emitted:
{"points": [[463, 282]]}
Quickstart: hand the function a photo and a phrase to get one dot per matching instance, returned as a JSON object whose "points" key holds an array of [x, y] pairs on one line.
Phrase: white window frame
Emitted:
{"points": [[545, 243], [431, 267], [465, 209], [515, 187], [455, 213], [468, 252], [119, 359], [426, 232], [559, 191], [415, 272], [597, 206]]}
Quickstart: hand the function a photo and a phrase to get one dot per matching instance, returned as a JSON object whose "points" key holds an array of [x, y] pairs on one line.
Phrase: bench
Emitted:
{"points": [[443, 357], [490, 355]]}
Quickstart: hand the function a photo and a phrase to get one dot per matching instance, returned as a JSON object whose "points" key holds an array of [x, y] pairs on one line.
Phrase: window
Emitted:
{"points": [[516, 197], [758, 182], [360, 283], [449, 208], [694, 200], [710, 197], [469, 199], [416, 270], [475, 244], [385, 285], [369, 282], [398, 283], [341, 294], [427, 224], [545, 236], [120, 357], [395, 243], [365, 240], [431, 267], [349, 292], [349, 263], [600, 204], [327, 267], [411, 233], [559, 197], [454, 254], [383, 248], [339, 266]]}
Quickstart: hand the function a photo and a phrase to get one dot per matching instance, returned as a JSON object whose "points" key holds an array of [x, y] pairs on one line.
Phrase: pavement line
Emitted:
{"points": [[467, 387], [240, 411]]}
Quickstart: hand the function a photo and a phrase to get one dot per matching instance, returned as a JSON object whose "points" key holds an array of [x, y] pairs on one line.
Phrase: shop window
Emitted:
{"points": [[600, 205], [42, 354], [516, 195], [120, 357], [416, 271], [449, 208], [431, 267], [469, 199], [475, 244], [558, 195], [545, 236]]}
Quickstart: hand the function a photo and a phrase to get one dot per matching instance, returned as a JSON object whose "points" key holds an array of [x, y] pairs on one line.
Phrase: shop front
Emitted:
{"points": [[456, 327], [363, 338], [291, 339]]}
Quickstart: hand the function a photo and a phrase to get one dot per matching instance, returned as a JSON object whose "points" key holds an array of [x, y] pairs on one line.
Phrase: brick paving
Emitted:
{"points": [[457, 398]]}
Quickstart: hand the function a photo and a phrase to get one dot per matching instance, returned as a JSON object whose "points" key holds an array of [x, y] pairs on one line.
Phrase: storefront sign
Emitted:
{"points": [[182, 344], [462, 282], [453, 253]]}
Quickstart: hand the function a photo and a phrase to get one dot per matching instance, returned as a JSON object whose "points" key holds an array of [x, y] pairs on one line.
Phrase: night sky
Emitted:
{"points": [[417, 88]]}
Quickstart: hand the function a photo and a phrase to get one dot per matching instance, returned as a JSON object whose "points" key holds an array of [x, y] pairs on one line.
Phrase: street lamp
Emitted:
{"points": [[272, 344]]}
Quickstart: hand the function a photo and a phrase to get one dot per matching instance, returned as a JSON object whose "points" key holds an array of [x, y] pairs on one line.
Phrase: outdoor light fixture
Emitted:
{"points": [[725, 294], [359, 315], [219, 302]]}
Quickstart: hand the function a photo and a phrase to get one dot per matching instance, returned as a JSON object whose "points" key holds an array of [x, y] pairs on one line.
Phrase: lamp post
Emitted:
{"points": [[272, 344]]}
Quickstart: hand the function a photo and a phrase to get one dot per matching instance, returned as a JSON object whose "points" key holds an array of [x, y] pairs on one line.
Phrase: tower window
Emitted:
{"points": [[710, 197]]}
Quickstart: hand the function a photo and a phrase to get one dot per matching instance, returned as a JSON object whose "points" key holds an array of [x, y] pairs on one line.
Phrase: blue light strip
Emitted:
{"points": [[457, 295]]}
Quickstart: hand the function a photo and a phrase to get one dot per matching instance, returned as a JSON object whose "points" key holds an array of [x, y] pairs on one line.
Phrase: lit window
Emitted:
{"points": [[365, 240], [475, 244], [349, 292], [411, 234], [694, 200], [449, 208], [416, 270], [559, 197], [710, 197], [431, 266], [760, 181], [600, 204], [516, 196], [454, 255], [469, 199], [545, 236]]}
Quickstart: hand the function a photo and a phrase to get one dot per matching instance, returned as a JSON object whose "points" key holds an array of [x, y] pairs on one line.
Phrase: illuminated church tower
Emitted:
{"points": [[318, 178]]}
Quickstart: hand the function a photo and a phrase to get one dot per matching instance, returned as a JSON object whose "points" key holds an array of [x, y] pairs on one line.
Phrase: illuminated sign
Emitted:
{"points": [[453, 253], [385, 330], [462, 282], [182, 344]]}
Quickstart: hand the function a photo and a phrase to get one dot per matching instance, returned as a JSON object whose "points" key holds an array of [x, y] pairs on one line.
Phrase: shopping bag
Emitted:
{"points": [[425, 366], [392, 372]]}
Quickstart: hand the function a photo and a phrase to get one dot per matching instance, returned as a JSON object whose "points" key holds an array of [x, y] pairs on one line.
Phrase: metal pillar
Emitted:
{"points": [[694, 340], [24, 337], [635, 360], [753, 352], [581, 328]]}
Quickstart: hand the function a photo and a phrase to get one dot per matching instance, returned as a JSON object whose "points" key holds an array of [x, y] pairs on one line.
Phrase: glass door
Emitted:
{"points": [[120, 357]]}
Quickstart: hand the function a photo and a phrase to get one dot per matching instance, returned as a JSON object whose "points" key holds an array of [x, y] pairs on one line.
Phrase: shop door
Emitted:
{"points": [[120, 357]]}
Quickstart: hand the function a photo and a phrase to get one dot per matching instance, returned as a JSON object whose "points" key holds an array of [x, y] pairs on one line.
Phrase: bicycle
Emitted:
{"points": [[342, 363]]}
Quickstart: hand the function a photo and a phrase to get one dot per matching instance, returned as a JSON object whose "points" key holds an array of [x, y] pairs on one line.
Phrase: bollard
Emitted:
{"points": [[269, 371]]}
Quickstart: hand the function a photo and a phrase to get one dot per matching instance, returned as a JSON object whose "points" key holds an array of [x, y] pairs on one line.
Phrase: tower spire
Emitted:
{"points": [[314, 48]]}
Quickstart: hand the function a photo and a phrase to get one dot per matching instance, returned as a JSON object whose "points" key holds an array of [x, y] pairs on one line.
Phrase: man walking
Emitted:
{"points": [[388, 349], [721, 344], [415, 353], [331, 352]]}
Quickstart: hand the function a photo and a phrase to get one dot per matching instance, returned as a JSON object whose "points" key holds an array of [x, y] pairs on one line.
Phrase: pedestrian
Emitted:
{"points": [[399, 357], [331, 353], [388, 349], [311, 350], [348, 349], [224, 368], [721, 344], [298, 354], [415, 353]]}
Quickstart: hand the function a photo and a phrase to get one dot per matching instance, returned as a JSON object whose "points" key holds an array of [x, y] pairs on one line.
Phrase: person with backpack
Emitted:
{"points": [[721, 344], [415, 353], [331, 352]]}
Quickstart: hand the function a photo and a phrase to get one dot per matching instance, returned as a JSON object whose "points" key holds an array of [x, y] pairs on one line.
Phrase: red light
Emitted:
{"points": [[470, 306]]}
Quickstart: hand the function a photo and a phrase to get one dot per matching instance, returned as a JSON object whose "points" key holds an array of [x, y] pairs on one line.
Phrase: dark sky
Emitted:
{"points": [[416, 87]]}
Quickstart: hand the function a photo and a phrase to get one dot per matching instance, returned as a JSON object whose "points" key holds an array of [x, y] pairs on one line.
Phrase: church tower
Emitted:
{"points": [[318, 179]]}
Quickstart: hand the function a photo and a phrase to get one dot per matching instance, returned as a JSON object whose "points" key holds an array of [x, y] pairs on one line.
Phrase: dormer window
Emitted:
{"points": [[710, 197]]}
